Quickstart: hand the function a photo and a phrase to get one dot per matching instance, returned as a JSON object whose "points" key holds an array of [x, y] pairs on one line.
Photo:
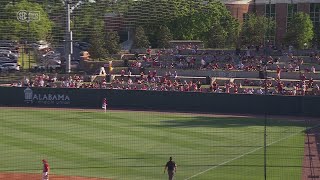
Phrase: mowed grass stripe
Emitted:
{"points": [[149, 135], [191, 139], [70, 142], [133, 145], [139, 132], [199, 134], [56, 135], [48, 132], [246, 165], [73, 139], [196, 134], [70, 155], [52, 147]]}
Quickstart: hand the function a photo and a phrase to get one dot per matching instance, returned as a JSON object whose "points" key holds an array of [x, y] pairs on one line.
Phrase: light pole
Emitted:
{"points": [[22, 56], [68, 38], [265, 95], [28, 39]]}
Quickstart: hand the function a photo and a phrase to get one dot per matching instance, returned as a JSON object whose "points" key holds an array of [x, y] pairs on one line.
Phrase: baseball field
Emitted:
{"points": [[135, 145]]}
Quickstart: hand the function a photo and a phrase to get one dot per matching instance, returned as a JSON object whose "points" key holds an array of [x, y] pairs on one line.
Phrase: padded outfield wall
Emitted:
{"points": [[164, 101]]}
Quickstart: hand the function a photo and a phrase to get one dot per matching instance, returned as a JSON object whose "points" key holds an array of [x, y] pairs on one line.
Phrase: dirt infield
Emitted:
{"points": [[21, 176], [311, 156], [311, 160]]}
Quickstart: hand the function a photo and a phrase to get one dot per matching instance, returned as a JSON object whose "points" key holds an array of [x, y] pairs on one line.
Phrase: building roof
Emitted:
{"points": [[236, 1], [268, 1]]}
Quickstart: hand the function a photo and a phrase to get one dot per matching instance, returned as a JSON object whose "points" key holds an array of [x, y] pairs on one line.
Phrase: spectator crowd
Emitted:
{"points": [[191, 57]]}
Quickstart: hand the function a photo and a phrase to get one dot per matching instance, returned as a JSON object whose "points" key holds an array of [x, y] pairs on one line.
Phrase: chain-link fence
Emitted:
{"points": [[53, 34]]}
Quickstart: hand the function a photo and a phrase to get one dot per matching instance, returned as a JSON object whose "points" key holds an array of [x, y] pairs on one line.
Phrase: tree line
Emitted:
{"points": [[154, 23]]}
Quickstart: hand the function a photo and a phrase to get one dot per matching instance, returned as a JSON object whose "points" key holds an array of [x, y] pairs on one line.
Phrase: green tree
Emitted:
{"points": [[113, 42], [140, 39], [56, 12], [3, 6], [193, 19], [186, 19], [223, 34], [300, 30], [148, 13], [217, 37], [97, 49], [232, 26], [32, 30], [255, 28], [83, 21], [164, 37]]}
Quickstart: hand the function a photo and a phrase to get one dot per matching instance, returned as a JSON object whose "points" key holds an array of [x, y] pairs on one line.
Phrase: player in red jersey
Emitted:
{"points": [[104, 104], [46, 169]]}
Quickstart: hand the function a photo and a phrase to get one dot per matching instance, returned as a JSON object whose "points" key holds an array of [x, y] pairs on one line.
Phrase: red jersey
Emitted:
{"points": [[280, 87], [236, 89], [46, 167], [227, 88], [123, 72]]}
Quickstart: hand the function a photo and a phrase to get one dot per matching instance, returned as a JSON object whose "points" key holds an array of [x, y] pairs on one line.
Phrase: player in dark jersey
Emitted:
{"points": [[171, 167]]}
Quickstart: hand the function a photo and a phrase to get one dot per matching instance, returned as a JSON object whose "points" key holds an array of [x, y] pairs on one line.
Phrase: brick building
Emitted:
{"points": [[280, 10]]}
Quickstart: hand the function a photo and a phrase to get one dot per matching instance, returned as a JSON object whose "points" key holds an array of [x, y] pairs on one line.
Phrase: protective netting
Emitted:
{"points": [[133, 144]]}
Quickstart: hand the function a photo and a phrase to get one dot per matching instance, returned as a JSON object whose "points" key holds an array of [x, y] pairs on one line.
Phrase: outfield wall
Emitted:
{"points": [[166, 101]]}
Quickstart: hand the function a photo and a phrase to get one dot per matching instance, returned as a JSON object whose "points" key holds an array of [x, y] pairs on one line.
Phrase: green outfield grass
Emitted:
{"points": [[136, 145]]}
